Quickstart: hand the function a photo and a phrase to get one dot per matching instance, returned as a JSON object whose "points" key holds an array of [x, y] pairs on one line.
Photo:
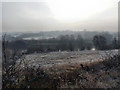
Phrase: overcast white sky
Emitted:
{"points": [[49, 15]]}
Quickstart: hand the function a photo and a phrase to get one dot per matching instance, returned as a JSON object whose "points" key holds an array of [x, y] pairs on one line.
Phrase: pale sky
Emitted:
{"points": [[47, 15]]}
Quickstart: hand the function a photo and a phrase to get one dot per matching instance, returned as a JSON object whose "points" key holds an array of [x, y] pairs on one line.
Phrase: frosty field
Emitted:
{"points": [[66, 58], [78, 69]]}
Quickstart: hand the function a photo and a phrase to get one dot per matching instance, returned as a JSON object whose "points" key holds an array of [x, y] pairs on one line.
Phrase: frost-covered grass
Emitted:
{"points": [[52, 59], [100, 70]]}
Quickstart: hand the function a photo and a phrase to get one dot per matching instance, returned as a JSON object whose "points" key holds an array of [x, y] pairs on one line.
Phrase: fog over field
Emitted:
{"points": [[59, 44]]}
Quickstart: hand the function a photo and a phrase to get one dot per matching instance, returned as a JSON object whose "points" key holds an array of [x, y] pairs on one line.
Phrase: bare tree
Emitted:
{"points": [[99, 42], [9, 70]]}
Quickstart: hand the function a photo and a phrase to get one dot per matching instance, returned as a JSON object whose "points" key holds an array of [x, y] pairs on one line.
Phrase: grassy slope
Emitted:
{"points": [[99, 74]]}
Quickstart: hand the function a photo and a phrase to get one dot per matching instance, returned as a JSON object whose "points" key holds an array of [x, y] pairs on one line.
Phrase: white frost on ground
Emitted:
{"points": [[60, 58]]}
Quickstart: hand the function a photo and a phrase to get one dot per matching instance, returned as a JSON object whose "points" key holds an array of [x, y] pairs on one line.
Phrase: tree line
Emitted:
{"points": [[65, 43]]}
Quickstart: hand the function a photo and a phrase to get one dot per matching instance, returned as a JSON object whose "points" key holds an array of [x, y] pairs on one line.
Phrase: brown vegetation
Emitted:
{"points": [[99, 74]]}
